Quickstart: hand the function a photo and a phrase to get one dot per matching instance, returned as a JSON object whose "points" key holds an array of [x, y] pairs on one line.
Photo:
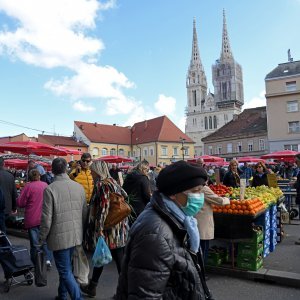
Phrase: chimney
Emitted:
{"points": [[95, 124], [81, 126], [146, 125], [235, 117]]}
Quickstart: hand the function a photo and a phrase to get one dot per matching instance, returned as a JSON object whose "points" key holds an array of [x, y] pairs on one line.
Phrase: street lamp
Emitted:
{"points": [[182, 140]]}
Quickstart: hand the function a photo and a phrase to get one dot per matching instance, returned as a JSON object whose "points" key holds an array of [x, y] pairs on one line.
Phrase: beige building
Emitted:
{"points": [[157, 140], [283, 106], [245, 135]]}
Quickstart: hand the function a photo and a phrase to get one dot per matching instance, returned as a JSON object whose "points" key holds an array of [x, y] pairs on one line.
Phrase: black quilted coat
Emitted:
{"points": [[157, 264]]}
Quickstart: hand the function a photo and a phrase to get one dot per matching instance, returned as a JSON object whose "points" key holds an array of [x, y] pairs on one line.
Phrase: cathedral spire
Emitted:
{"points": [[195, 58], [226, 53]]}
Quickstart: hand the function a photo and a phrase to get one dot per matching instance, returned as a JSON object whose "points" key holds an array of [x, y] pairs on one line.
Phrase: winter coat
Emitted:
{"points": [[297, 187], [137, 186], [64, 213], [84, 178], [229, 179], [260, 180], [205, 217], [116, 236], [157, 263], [32, 199], [8, 187]]}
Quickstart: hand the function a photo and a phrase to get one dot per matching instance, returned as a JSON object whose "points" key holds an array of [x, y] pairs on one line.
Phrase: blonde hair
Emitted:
{"points": [[233, 161], [100, 168]]}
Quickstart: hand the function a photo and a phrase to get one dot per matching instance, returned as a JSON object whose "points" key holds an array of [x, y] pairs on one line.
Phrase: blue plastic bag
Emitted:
{"points": [[102, 255]]}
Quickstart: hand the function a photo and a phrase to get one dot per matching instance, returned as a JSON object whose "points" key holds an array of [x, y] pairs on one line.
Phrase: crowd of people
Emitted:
{"points": [[167, 233]]}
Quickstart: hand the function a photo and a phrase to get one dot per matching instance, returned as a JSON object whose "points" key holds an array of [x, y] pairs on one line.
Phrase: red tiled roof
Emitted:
{"points": [[56, 140], [249, 122], [160, 129], [100, 133]]}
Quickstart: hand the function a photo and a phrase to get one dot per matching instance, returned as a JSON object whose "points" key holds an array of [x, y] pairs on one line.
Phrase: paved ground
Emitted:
{"points": [[285, 258]]}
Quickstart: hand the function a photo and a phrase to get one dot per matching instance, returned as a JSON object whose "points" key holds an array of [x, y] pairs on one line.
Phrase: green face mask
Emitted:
{"points": [[194, 204]]}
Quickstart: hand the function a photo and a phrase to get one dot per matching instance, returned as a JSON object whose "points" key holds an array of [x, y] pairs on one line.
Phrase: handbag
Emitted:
{"points": [[118, 210], [40, 269], [81, 266], [102, 255]]}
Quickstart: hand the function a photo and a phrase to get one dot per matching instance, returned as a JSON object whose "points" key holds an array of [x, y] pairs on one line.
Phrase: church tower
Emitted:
{"points": [[207, 112], [228, 77]]}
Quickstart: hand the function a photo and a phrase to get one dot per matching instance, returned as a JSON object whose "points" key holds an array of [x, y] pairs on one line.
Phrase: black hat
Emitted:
{"points": [[180, 176]]}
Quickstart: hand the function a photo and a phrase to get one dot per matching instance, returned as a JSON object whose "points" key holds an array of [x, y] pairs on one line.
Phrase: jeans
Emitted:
{"points": [[204, 247], [34, 234], [117, 255], [67, 282]]}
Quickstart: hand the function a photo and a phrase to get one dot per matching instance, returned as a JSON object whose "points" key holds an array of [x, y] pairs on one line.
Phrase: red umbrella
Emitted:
{"points": [[250, 159], [285, 155], [207, 158], [30, 147], [115, 159], [69, 151], [21, 163]]}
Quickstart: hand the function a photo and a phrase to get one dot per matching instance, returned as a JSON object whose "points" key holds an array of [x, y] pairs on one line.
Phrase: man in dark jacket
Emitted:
{"points": [[9, 191], [137, 187], [160, 259], [297, 186]]}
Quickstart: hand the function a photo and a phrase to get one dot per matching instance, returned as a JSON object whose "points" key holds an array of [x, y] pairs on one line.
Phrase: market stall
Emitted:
{"points": [[248, 229]]}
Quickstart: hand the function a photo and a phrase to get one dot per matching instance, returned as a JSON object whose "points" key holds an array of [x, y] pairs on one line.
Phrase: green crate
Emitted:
{"points": [[213, 261], [250, 250], [258, 235], [249, 264]]}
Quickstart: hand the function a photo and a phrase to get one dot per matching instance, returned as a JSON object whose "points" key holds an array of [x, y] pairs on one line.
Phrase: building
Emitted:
{"points": [[245, 135], [68, 142], [206, 112], [157, 140], [17, 138], [283, 106]]}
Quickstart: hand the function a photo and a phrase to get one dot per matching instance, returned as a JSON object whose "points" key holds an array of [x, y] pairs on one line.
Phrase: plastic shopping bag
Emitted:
{"points": [[102, 255]]}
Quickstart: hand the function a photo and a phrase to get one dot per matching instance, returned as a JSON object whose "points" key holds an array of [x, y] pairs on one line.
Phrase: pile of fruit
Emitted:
{"points": [[221, 190], [241, 207]]}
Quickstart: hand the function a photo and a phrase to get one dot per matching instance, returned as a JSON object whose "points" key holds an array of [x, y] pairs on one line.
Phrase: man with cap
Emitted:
{"points": [[161, 256]]}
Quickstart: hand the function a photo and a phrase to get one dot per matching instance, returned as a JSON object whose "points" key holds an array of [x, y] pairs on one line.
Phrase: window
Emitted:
{"points": [[134, 153], [205, 122], [290, 86], [210, 122], [219, 149], [95, 152], [239, 147], [186, 150], [250, 146], [104, 151], [175, 151], [164, 151], [145, 151], [129, 154], [215, 122], [112, 151], [261, 144], [294, 127], [229, 148], [292, 106], [195, 98], [210, 150], [293, 147], [151, 151], [121, 152]]}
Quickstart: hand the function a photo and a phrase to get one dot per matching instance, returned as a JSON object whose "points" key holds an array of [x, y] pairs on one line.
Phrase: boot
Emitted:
{"points": [[90, 289]]}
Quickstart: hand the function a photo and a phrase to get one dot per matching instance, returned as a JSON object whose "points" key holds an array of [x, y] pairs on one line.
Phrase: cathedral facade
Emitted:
{"points": [[206, 112]]}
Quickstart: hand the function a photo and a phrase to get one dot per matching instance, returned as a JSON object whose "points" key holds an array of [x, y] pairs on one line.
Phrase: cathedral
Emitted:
{"points": [[206, 112]]}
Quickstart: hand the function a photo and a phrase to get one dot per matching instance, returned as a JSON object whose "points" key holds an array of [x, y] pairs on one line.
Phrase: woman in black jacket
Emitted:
{"points": [[260, 177], [232, 176], [137, 187], [160, 259]]}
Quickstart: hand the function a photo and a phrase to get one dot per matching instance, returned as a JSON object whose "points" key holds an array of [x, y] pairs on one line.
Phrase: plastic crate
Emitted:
{"points": [[250, 264], [250, 250], [214, 259]]}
